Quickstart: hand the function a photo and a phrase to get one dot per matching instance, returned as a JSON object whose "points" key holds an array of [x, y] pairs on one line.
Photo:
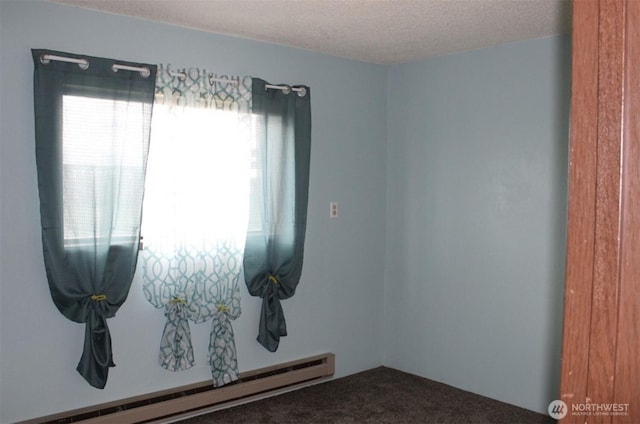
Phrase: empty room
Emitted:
{"points": [[415, 222]]}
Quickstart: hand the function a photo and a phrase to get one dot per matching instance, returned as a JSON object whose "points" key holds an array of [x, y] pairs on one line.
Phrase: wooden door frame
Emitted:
{"points": [[601, 329]]}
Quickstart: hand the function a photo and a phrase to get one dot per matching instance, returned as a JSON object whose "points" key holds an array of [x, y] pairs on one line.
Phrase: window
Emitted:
{"points": [[98, 137], [198, 178]]}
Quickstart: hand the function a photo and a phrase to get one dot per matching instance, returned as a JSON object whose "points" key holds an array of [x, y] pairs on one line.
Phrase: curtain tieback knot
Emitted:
{"points": [[222, 308], [98, 297], [273, 279], [176, 300]]}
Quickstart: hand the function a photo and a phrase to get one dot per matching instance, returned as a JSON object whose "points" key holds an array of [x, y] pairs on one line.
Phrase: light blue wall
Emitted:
{"points": [[338, 306], [476, 187], [446, 259]]}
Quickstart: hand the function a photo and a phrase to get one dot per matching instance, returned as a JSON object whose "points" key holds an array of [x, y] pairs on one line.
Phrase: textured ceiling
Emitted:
{"points": [[377, 31]]}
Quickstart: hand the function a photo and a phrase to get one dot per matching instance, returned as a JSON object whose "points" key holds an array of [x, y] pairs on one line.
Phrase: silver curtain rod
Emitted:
{"points": [[287, 89], [145, 72], [84, 64]]}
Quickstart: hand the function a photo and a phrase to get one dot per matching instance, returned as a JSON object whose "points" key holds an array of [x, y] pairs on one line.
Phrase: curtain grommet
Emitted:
{"points": [[302, 92]]}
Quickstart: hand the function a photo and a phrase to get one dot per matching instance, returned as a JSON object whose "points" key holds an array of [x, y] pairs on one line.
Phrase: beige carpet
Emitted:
{"points": [[381, 395]]}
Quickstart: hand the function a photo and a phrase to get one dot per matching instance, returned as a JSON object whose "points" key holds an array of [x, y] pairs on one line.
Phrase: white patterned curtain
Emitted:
{"points": [[196, 210]]}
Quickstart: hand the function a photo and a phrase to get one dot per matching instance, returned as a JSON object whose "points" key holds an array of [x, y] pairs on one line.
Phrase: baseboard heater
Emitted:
{"points": [[195, 399]]}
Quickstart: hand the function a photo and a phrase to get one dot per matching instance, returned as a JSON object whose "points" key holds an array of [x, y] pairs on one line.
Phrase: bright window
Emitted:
{"points": [[99, 135], [200, 170]]}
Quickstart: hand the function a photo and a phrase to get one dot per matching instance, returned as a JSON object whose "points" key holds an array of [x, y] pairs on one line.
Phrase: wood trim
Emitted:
{"points": [[601, 333], [627, 365], [604, 302], [581, 204]]}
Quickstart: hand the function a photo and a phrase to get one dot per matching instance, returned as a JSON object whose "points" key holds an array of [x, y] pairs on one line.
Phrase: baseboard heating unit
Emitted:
{"points": [[200, 398]]}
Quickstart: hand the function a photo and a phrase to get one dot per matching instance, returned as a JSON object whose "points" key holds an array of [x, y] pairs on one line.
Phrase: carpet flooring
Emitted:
{"points": [[378, 396]]}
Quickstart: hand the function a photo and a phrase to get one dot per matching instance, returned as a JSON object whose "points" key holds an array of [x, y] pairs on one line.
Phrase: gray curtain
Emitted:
{"points": [[92, 128], [275, 240]]}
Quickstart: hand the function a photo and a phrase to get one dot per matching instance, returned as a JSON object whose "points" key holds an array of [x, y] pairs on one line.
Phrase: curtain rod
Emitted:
{"points": [[145, 72], [84, 64], [287, 89]]}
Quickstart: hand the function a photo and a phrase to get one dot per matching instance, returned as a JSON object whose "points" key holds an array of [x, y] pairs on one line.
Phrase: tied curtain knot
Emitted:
{"points": [[177, 300], [272, 324], [97, 356], [222, 356], [222, 309], [176, 350]]}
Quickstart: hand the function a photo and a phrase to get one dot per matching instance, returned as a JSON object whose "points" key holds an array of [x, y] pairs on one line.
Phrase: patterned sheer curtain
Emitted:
{"points": [[196, 212]]}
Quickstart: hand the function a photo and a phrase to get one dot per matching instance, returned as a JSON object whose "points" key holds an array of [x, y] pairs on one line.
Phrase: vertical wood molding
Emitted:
{"points": [[581, 204], [627, 371], [604, 303], [601, 333]]}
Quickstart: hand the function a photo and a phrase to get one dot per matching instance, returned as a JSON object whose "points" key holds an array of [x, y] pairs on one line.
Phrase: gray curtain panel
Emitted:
{"points": [[92, 126], [275, 240]]}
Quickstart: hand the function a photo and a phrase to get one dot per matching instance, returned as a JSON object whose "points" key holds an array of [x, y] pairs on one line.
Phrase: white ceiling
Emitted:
{"points": [[377, 31]]}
